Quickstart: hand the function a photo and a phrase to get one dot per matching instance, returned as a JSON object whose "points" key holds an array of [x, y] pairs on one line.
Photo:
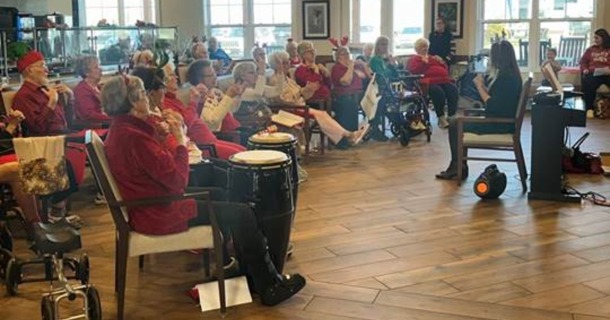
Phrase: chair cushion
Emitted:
{"points": [[193, 238], [488, 139], [603, 89], [8, 97]]}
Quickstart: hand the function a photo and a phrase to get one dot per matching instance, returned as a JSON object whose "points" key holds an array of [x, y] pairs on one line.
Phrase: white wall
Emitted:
{"points": [[60, 6], [37, 7], [186, 14]]}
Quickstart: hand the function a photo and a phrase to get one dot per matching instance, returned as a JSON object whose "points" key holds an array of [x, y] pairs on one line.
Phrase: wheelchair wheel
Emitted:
{"points": [[95, 306], [47, 308], [5, 257], [82, 269], [13, 277], [395, 129], [6, 240], [405, 136]]}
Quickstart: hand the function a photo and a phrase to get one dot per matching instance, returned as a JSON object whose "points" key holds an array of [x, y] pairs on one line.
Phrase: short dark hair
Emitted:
{"points": [[552, 50], [152, 77], [194, 73]]}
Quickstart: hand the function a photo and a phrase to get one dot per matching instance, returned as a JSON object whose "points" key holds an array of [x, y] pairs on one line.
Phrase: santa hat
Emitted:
{"points": [[29, 59]]}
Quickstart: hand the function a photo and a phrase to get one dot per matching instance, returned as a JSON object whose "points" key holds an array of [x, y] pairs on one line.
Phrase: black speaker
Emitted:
{"points": [[491, 183]]}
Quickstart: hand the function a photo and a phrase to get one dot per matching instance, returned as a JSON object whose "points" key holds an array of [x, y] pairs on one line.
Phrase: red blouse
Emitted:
{"points": [[145, 168], [87, 104], [39, 119], [434, 71], [304, 74], [197, 130], [338, 72]]}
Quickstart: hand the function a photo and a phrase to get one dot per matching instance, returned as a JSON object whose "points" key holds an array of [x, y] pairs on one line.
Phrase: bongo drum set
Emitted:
{"points": [[266, 178]]}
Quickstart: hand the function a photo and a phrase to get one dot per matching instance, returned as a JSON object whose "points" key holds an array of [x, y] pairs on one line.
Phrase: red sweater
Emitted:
{"points": [[304, 74], [197, 130], [39, 119], [595, 57], [87, 104], [145, 168], [434, 71], [338, 72]]}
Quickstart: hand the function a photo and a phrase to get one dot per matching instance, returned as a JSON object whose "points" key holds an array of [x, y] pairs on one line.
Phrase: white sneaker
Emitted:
{"points": [[590, 114], [442, 122], [302, 174], [100, 200]]}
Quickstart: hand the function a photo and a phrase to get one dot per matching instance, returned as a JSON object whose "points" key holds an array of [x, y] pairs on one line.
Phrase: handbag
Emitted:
{"points": [[576, 161], [602, 108]]}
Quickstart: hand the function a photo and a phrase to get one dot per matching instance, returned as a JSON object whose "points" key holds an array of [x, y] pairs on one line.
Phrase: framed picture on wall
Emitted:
{"points": [[452, 11], [316, 19]]}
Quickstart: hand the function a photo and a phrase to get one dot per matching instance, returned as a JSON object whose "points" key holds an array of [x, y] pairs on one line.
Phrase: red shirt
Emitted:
{"points": [[145, 168], [434, 71], [229, 123], [197, 130], [39, 119], [595, 57], [304, 74], [87, 104], [338, 72]]}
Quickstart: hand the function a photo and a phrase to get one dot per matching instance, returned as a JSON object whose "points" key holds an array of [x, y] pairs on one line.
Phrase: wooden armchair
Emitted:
{"points": [[502, 142], [310, 126], [130, 243]]}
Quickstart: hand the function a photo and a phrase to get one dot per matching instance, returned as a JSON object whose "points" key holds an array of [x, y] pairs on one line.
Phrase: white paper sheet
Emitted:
{"points": [[236, 290]]}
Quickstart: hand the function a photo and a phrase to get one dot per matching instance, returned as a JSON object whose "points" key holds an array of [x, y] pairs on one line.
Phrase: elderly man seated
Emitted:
{"points": [[43, 108]]}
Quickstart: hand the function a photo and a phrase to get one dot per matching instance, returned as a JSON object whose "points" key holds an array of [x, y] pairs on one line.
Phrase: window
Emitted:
{"points": [[239, 24], [119, 12], [403, 27], [535, 25]]}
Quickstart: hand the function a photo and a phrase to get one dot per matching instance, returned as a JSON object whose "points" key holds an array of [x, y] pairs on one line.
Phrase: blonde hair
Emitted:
{"points": [[378, 42], [420, 43], [142, 58]]}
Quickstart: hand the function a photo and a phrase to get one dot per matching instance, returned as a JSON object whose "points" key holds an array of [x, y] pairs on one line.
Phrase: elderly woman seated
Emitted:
{"points": [[441, 87], [291, 49], [347, 76], [310, 72], [156, 82], [283, 90], [147, 165], [87, 105], [215, 107]]}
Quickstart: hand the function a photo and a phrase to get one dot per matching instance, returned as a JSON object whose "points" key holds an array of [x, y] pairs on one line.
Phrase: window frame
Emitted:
{"points": [[386, 24], [149, 8], [248, 24], [535, 24]]}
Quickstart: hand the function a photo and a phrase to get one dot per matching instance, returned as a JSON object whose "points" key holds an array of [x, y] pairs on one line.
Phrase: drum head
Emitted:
{"points": [[272, 138], [259, 157]]}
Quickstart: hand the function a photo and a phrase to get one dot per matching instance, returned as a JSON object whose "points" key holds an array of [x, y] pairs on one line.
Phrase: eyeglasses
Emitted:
{"points": [[209, 75]]}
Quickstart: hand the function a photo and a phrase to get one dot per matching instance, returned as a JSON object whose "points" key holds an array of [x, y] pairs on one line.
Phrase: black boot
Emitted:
{"points": [[451, 172]]}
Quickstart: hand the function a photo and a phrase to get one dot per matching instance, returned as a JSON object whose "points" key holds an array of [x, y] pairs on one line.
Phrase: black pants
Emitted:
{"points": [[346, 110], [441, 95], [590, 84], [238, 220]]}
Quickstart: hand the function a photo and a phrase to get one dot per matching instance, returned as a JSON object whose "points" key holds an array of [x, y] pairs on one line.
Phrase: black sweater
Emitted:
{"points": [[440, 45]]}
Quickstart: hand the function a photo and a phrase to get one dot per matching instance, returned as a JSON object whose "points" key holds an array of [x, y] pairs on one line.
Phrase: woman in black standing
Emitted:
{"points": [[440, 41]]}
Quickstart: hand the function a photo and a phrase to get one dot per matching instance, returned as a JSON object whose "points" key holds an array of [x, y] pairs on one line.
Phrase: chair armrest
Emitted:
{"points": [[210, 148], [277, 107], [462, 120], [205, 195], [474, 112]]}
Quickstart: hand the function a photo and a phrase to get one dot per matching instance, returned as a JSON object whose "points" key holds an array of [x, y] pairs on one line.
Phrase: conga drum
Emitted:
{"points": [[261, 178], [279, 141]]}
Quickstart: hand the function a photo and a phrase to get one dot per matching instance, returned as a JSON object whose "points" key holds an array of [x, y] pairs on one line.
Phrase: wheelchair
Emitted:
{"points": [[49, 242], [407, 108]]}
